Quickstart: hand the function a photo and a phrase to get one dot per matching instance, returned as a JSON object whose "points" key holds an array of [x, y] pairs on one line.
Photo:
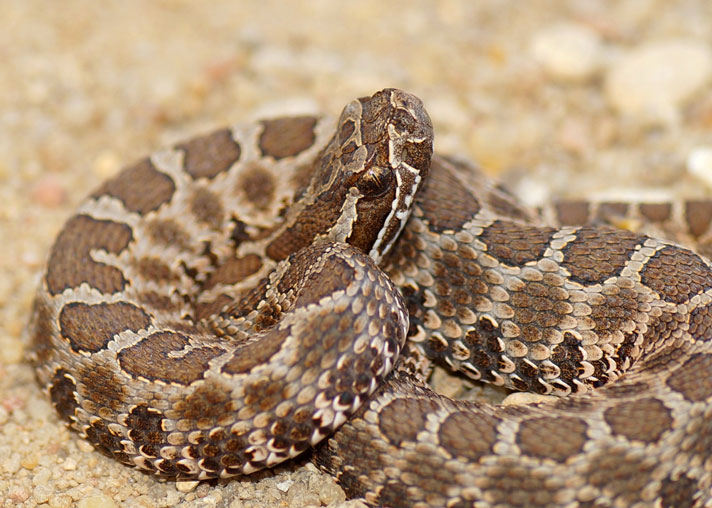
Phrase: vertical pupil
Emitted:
{"points": [[375, 180]]}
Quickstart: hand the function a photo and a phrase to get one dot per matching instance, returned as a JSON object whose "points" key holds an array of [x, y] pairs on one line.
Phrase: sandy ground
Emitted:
{"points": [[536, 91]]}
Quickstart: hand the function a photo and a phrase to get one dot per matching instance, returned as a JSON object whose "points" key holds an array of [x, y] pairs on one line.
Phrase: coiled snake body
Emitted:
{"points": [[218, 307]]}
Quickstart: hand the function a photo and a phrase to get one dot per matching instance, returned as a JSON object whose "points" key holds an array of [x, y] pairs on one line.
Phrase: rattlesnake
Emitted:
{"points": [[218, 307]]}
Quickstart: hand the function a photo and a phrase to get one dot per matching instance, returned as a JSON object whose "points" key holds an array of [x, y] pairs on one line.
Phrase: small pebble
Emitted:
{"points": [[568, 51], [29, 462], [18, 494], [60, 501], [284, 486], [653, 81], [11, 464], [186, 486], [575, 135], [329, 492], [11, 352], [69, 464], [42, 493], [699, 163], [99, 501], [48, 191], [106, 164], [84, 446], [41, 477]]}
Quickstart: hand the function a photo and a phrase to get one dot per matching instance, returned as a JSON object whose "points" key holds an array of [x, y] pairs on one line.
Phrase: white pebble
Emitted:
{"points": [[567, 51], [653, 81], [284, 485], [70, 464], [98, 501], [42, 494], [186, 485], [699, 163]]}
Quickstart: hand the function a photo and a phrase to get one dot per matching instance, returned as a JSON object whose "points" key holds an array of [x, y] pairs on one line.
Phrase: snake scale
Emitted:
{"points": [[229, 302]]}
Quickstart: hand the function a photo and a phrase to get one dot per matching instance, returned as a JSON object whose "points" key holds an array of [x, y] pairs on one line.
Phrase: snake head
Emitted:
{"points": [[372, 168]]}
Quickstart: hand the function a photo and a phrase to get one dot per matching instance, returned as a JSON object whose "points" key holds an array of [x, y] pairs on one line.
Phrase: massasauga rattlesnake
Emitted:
{"points": [[217, 308]]}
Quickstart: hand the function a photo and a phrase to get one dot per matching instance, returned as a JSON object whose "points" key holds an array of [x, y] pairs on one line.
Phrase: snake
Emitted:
{"points": [[231, 301]]}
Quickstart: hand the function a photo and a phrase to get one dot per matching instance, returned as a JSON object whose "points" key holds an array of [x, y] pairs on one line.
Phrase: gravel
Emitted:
{"points": [[653, 81], [557, 98]]}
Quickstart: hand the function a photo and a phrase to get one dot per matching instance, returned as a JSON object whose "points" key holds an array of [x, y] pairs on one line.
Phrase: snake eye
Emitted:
{"points": [[375, 181]]}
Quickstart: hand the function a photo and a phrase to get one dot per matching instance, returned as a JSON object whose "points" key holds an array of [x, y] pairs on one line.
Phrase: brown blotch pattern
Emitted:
{"points": [[141, 188], [610, 210], [155, 269], [676, 274], [336, 274], [168, 232], [287, 137], [623, 390], [463, 437], [264, 394], [656, 212], [314, 220], [614, 312], [256, 351], [42, 331], [208, 156], [89, 328], [433, 479], [102, 385], [700, 442], [107, 442], [642, 420], [210, 400], [698, 215], [693, 379], [444, 201], [598, 253], [146, 429], [162, 356], [514, 244], [402, 419], [234, 270], [257, 186], [701, 323], [568, 356], [620, 474], [70, 262], [535, 437], [206, 208], [155, 301], [572, 213], [62, 391], [514, 485], [678, 492], [484, 347], [539, 306]]}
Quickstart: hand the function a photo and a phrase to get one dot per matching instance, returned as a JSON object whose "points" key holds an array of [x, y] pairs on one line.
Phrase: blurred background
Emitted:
{"points": [[557, 98]]}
